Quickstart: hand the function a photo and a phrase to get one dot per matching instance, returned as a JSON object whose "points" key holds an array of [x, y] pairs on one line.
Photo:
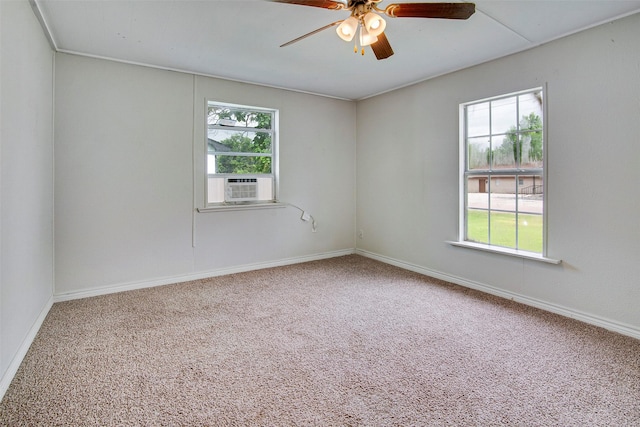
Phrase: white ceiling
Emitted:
{"points": [[240, 39]]}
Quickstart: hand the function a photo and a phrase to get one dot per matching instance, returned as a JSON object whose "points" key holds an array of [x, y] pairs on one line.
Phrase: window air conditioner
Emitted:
{"points": [[240, 189]]}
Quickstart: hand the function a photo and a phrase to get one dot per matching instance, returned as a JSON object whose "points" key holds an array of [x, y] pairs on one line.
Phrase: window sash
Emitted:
{"points": [[482, 120], [267, 180]]}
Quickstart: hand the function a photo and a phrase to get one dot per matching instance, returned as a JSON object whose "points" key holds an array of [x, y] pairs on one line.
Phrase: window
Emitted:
{"points": [[502, 172], [241, 154]]}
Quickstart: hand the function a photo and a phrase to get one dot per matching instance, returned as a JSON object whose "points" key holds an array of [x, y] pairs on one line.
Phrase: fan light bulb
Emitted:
{"points": [[347, 29]]}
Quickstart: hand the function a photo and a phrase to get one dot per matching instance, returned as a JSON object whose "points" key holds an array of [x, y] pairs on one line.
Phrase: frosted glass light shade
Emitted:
{"points": [[347, 29], [366, 38], [374, 24]]}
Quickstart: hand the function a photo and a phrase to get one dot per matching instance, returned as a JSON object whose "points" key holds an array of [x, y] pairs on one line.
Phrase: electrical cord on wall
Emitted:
{"points": [[306, 216]]}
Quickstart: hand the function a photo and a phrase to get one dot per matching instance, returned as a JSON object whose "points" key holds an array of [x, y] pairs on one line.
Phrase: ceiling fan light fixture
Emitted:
{"points": [[366, 17], [347, 29], [374, 23]]}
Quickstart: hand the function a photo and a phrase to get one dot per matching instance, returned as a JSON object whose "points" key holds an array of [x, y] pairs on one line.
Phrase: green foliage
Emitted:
{"points": [[525, 140], [244, 118], [531, 132], [490, 156], [250, 143], [535, 125], [243, 164]]}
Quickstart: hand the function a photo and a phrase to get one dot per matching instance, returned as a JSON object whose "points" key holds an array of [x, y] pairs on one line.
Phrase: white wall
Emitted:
{"points": [[26, 178], [125, 188], [407, 174]]}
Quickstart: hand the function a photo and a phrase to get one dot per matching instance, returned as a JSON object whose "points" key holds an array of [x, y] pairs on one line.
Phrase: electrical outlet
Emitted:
{"points": [[305, 216], [361, 234]]}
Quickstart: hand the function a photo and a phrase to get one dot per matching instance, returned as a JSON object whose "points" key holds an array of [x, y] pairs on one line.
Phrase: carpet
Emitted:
{"points": [[346, 341]]}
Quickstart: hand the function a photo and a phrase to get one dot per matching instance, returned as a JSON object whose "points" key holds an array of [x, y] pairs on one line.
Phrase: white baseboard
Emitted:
{"points": [[591, 319], [11, 371], [121, 287]]}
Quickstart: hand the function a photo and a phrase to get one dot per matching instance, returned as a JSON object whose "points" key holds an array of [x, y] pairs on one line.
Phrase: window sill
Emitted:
{"points": [[242, 207], [506, 251]]}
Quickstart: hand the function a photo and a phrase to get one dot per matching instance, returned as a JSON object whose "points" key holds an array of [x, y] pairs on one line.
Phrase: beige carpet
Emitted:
{"points": [[345, 341]]}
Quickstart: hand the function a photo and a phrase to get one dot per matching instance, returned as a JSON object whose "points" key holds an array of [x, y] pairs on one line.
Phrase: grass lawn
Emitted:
{"points": [[503, 229]]}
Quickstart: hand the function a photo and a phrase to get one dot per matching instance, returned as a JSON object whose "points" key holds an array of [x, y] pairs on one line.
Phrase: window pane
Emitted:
{"points": [[242, 165], [211, 164], [502, 223], [478, 119], [530, 232], [478, 153], [477, 192], [477, 226], [531, 147], [530, 105], [504, 151], [503, 229], [503, 115], [531, 192], [222, 140], [503, 193], [218, 115]]}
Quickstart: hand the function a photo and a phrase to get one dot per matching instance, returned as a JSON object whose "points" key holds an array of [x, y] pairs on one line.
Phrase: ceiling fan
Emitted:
{"points": [[365, 17]]}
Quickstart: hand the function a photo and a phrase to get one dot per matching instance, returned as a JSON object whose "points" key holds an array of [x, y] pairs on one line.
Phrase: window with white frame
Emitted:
{"points": [[241, 154], [502, 171]]}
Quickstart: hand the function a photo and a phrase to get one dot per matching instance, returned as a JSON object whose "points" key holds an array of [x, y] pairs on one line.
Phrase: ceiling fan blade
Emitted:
{"points": [[325, 4], [382, 48], [333, 24], [431, 10]]}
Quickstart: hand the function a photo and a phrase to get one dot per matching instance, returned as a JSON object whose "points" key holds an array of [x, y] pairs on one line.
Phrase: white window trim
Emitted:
{"points": [[243, 207], [240, 206], [461, 242], [504, 251]]}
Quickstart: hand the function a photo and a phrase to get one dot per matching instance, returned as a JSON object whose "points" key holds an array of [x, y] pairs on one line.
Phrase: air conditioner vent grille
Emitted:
{"points": [[241, 189]]}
